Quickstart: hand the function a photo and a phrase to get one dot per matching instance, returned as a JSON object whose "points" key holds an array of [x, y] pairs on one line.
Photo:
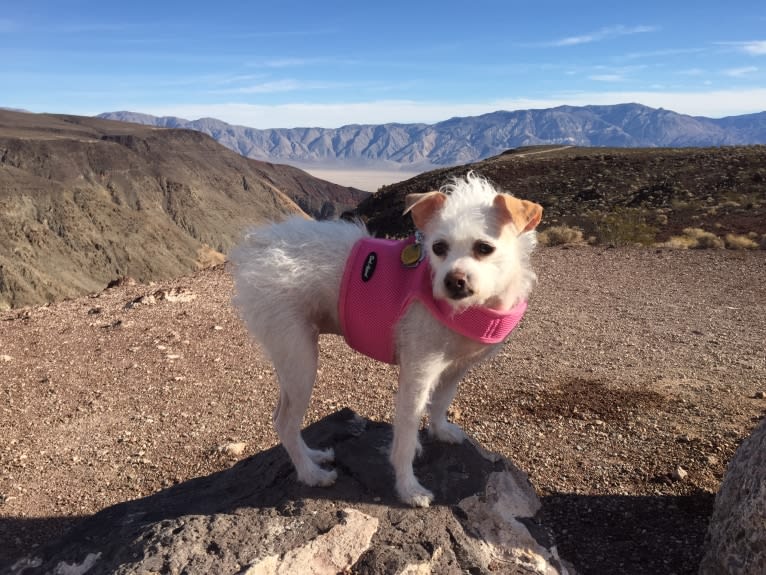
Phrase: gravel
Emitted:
{"points": [[633, 378]]}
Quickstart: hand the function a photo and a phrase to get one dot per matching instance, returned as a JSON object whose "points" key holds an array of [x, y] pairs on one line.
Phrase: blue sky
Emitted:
{"points": [[284, 63]]}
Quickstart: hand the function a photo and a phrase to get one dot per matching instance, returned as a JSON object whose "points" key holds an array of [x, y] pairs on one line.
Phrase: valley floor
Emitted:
{"points": [[367, 180]]}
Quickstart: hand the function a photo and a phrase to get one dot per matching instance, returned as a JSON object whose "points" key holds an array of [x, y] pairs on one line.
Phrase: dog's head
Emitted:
{"points": [[478, 242]]}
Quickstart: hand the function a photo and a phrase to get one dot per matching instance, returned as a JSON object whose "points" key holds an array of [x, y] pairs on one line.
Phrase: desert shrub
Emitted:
{"points": [[705, 240], [695, 238], [208, 257], [623, 227], [560, 235], [679, 243], [736, 242]]}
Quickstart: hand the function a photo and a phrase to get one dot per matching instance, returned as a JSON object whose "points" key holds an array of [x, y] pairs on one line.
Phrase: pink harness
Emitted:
{"points": [[377, 288]]}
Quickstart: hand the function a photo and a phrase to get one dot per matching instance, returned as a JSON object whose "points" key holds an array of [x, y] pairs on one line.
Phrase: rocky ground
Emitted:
{"points": [[632, 380]]}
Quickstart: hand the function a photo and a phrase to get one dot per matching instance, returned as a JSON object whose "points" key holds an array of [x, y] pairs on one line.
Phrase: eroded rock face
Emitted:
{"points": [[736, 539], [255, 519]]}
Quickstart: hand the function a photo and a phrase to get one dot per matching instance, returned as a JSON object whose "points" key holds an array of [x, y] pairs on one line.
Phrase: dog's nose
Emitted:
{"points": [[457, 285]]}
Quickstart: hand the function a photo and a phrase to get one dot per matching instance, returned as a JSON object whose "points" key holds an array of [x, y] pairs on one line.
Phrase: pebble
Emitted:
{"points": [[6, 358], [679, 473], [235, 449], [760, 395]]}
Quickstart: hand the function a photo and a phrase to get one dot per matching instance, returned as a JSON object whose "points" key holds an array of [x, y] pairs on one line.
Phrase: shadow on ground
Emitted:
{"points": [[649, 535]]}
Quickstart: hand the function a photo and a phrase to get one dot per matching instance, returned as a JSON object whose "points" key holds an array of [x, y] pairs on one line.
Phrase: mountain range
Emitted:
{"points": [[469, 139]]}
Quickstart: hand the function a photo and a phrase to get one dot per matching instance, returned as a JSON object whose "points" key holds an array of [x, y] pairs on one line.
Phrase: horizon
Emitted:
{"points": [[303, 65]]}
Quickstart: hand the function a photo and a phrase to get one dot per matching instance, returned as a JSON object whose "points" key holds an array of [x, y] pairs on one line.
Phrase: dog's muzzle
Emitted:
{"points": [[457, 285]]}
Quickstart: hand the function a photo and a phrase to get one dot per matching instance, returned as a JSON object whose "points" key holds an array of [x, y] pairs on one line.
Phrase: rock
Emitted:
{"points": [[234, 449], [759, 395], [254, 518], [175, 294], [6, 358], [736, 537], [328, 554], [679, 473]]}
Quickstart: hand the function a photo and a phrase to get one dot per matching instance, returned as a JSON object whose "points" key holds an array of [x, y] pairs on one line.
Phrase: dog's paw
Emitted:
{"points": [[447, 432], [318, 477], [320, 456], [415, 494]]}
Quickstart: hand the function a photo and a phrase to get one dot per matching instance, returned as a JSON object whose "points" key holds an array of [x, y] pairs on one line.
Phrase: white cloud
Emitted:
{"points": [[603, 34], [739, 72], [607, 77], [758, 48], [755, 47], [714, 103], [661, 53]]}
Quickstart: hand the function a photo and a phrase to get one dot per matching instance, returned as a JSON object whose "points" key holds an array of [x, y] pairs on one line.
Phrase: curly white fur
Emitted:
{"points": [[287, 281]]}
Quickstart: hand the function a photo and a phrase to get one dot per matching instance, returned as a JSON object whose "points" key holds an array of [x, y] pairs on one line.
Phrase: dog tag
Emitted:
{"points": [[411, 255]]}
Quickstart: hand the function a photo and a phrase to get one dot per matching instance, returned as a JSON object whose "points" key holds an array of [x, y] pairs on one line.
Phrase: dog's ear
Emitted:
{"points": [[423, 206], [524, 214]]}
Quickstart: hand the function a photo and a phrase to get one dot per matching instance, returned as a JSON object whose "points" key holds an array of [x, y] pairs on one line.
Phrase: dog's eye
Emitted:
{"points": [[440, 248], [483, 248]]}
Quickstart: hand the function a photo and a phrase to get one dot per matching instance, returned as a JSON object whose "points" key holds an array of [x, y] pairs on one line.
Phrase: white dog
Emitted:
{"points": [[435, 305]]}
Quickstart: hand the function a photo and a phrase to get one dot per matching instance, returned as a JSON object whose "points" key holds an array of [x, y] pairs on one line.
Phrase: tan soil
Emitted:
{"points": [[628, 365]]}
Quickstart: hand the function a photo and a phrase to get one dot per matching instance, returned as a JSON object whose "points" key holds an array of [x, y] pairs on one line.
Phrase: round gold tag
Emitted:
{"points": [[411, 255]]}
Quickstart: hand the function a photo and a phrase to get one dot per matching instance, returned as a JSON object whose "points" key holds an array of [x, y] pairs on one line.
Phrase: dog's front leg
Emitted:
{"points": [[441, 398], [415, 385]]}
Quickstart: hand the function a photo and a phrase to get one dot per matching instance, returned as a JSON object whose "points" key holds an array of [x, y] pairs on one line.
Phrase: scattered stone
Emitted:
{"points": [[141, 300], [759, 395], [679, 473], [235, 449], [175, 294], [255, 518], [736, 538], [217, 327], [121, 281], [6, 358]]}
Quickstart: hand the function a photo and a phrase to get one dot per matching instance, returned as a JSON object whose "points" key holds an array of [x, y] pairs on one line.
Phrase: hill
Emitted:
{"points": [[84, 201], [462, 140], [615, 195]]}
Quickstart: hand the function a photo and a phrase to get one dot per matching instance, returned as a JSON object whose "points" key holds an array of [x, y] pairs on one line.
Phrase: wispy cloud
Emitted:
{"points": [[275, 86], [607, 77], [288, 62], [755, 47], [603, 34], [739, 72], [662, 53]]}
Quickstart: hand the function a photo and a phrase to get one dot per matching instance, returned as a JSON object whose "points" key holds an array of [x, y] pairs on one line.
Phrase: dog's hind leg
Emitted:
{"points": [[295, 360]]}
